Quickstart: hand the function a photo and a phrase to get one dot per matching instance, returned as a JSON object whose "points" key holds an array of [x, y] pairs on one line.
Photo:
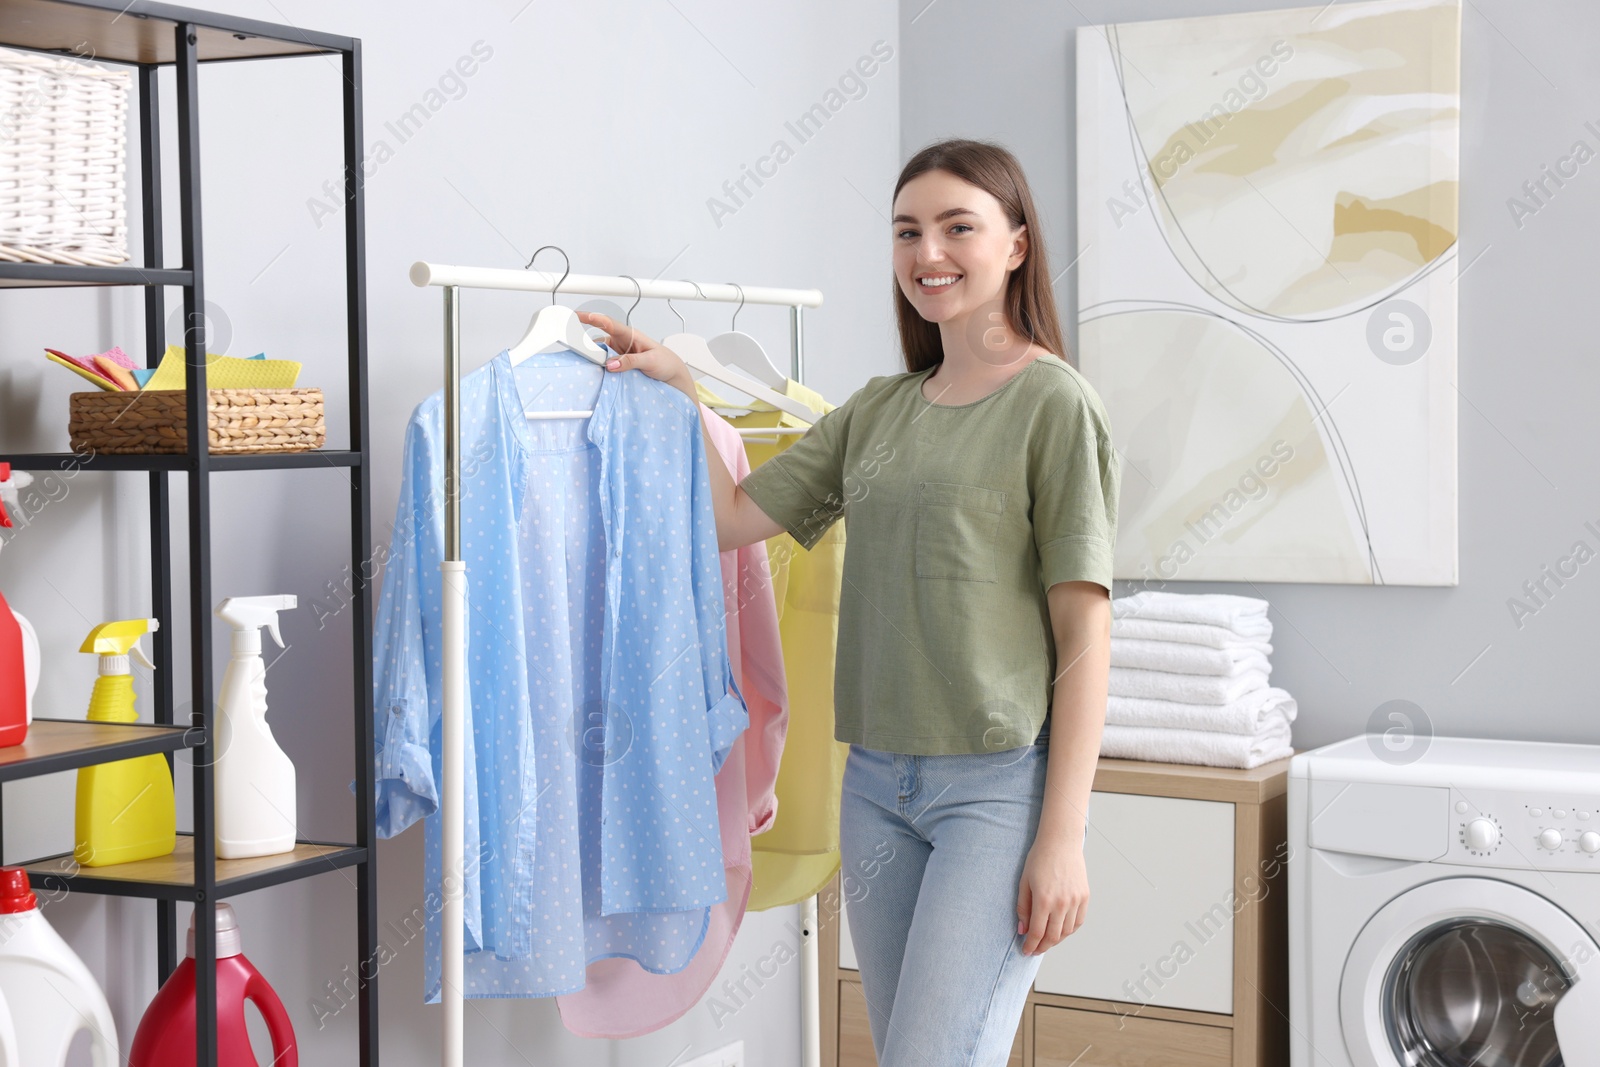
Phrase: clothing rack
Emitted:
{"points": [[452, 801]]}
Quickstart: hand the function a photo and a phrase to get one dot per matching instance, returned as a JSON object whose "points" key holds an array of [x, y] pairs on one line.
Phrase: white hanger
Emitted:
{"points": [[627, 320], [738, 349], [692, 349], [555, 325], [696, 354], [752, 434], [763, 433]]}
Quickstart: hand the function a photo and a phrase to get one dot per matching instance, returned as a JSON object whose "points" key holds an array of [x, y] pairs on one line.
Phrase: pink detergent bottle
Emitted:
{"points": [[165, 1037]]}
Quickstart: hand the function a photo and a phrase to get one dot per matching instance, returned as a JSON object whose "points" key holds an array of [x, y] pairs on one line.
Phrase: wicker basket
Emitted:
{"points": [[63, 154], [238, 420]]}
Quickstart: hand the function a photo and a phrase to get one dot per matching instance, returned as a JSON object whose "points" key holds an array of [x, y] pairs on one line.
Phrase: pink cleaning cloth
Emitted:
{"points": [[115, 354], [620, 998]]}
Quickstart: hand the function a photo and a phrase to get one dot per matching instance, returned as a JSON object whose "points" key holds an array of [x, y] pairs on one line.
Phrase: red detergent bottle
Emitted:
{"points": [[165, 1037], [13, 677], [19, 646]]}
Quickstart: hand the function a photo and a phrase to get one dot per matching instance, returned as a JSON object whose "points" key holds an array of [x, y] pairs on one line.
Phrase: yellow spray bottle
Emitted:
{"points": [[125, 809]]}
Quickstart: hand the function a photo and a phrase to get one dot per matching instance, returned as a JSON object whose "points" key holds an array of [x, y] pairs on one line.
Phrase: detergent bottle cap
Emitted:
{"points": [[10, 482], [15, 892], [248, 614], [229, 939]]}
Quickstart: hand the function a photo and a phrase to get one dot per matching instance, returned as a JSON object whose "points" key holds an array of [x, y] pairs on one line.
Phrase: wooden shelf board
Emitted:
{"points": [[53, 275], [1193, 782], [178, 461], [55, 745], [136, 31], [172, 876]]}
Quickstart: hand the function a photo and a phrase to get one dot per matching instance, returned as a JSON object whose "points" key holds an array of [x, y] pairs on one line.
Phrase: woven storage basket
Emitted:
{"points": [[63, 151], [238, 420]]}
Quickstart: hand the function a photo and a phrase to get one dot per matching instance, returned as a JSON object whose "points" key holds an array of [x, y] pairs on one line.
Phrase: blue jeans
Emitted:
{"points": [[931, 852]]}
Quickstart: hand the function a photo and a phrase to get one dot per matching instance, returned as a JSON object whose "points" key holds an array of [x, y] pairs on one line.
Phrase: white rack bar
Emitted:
{"points": [[537, 281], [452, 806]]}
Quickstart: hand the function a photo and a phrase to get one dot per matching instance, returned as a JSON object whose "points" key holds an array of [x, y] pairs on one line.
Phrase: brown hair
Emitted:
{"points": [[1030, 303]]}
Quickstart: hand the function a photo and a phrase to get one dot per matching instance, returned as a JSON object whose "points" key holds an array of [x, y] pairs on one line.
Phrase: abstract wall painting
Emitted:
{"points": [[1267, 225]]}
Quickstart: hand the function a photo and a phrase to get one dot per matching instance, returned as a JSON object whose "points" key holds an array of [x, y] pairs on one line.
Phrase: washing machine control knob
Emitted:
{"points": [[1482, 835], [1550, 839], [1589, 841]]}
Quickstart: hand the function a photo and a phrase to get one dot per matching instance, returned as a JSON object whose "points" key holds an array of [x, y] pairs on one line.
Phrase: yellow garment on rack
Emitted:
{"points": [[800, 853]]}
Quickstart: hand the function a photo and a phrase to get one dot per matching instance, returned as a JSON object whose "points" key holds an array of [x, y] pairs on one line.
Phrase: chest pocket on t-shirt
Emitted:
{"points": [[958, 527]]}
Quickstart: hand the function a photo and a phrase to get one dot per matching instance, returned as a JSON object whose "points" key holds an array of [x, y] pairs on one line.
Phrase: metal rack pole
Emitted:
{"points": [[810, 963], [453, 579], [355, 236], [199, 473], [797, 345], [163, 641]]}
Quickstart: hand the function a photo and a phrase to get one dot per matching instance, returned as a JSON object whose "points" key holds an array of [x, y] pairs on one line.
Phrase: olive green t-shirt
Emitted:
{"points": [[961, 517]]}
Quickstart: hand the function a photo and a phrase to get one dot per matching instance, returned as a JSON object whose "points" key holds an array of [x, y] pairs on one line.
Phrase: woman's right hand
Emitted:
{"points": [[638, 351]]}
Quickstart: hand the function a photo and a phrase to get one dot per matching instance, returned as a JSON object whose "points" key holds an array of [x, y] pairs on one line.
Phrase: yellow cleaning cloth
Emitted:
{"points": [[103, 382], [226, 372]]}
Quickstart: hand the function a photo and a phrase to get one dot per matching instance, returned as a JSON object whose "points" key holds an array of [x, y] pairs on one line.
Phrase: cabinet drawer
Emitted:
{"points": [[1159, 929], [1065, 1037], [855, 1031]]}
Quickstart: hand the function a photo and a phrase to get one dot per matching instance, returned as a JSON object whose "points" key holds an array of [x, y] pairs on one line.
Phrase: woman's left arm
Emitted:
{"points": [[1054, 893]]}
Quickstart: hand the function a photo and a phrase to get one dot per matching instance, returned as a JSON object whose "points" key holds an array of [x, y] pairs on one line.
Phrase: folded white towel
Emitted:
{"points": [[1186, 659], [1188, 633], [1244, 615], [1250, 714], [1204, 747], [1188, 688]]}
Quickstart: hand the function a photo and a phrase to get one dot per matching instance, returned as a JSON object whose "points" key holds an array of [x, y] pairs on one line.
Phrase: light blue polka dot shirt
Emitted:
{"points": [[600, 697]]}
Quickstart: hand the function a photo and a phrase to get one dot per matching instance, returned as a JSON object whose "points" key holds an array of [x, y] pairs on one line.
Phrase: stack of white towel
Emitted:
{"points": [[1189, 682]]}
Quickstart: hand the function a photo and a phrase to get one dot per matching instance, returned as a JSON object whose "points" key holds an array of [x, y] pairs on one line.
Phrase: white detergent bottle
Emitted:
{"points": [[9, 1057], [51, 993], [255, 779]]}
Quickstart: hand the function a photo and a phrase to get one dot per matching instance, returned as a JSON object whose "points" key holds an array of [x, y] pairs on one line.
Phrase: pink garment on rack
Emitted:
{"points": [[620, 998]]}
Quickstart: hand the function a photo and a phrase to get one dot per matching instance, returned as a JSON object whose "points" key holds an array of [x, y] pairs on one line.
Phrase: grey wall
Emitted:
{"points": [[1529, 479], [602, 127]]}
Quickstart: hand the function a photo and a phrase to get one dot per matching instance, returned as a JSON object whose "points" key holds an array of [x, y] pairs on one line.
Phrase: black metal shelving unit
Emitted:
{"points": [[149, 36]]}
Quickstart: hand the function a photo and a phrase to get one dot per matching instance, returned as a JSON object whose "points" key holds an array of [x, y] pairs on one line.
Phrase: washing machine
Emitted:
{"points": [[1444, 904]]}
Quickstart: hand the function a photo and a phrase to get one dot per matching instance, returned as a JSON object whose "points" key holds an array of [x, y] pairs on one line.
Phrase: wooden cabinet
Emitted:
{"points": [[1063, 1037], [1159, 929], [1183, 958], [855, 1033]]}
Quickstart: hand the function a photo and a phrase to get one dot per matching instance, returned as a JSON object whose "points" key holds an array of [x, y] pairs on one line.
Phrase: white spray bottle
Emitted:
{"points": [[255, 779]]}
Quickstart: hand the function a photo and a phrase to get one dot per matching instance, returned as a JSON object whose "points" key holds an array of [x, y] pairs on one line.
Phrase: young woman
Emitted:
{"points": [[981, 489]]}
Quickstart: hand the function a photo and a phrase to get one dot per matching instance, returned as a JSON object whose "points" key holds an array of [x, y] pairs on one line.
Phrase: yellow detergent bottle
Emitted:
{"points": [[125, 809]]}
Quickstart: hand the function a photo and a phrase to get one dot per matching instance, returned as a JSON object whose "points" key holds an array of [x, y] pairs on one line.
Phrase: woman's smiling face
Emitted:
{"points": [[953, 246]]}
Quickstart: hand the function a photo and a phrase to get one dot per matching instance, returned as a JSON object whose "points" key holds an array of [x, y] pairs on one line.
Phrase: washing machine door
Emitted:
{"points": [[1472, 972]]}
